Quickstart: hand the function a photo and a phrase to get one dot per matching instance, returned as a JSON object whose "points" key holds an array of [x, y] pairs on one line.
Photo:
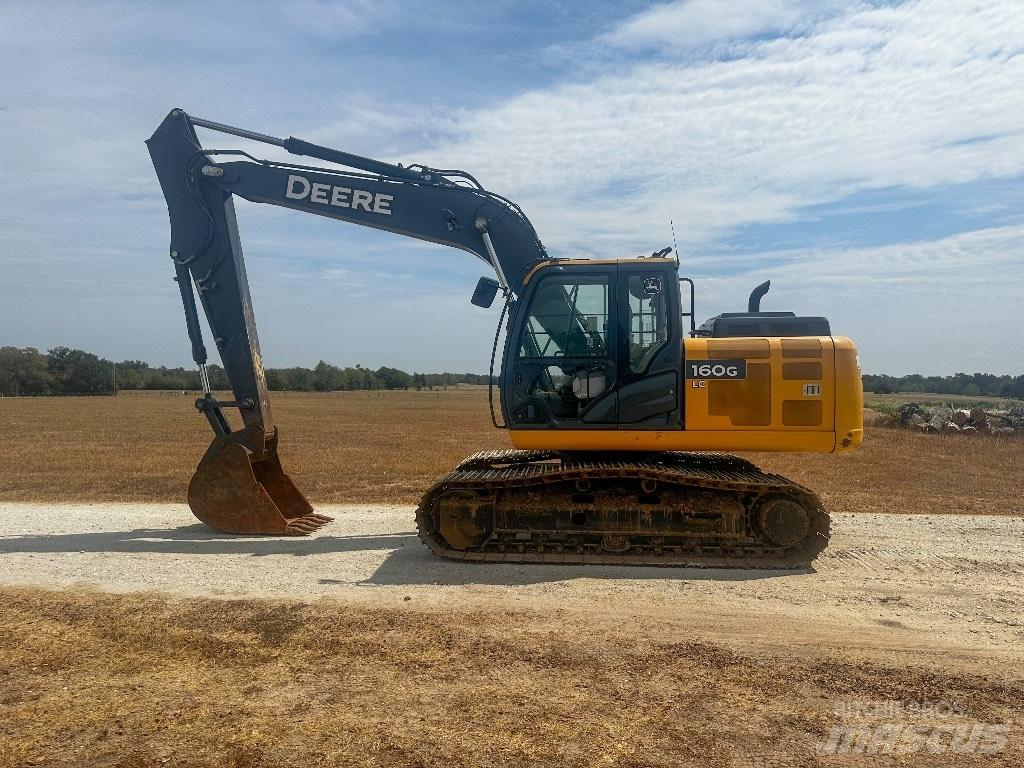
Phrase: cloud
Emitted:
{"points": [[694, 22], [879, 97], [335, 22]]}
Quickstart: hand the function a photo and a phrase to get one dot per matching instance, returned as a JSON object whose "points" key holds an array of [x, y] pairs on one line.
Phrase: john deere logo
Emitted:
{"points": [[301, 188]]}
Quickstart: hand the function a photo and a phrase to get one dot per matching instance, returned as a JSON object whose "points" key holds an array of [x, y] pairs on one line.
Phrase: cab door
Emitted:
{"points": [[650, 347], [560, 355]]}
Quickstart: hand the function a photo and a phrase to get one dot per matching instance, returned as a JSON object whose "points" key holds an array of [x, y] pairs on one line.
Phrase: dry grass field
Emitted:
{"points": [[92, 679], [348, 446], [387, 447]]}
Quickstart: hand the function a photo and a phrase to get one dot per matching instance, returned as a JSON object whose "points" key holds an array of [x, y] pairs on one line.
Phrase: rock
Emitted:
{"points": [[961, 417], [1015, 417], [941, 415], [911, 414]]}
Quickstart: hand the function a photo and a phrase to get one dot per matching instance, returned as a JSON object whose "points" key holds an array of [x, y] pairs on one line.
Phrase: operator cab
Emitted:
{"points": [[596, 343]]}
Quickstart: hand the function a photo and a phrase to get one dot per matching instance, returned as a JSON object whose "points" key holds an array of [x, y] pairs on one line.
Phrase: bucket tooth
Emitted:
{"points": [[237, 491]]}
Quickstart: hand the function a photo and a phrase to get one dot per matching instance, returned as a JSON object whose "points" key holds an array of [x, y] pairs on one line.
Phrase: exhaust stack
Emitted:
{"points": [[754, 302]]}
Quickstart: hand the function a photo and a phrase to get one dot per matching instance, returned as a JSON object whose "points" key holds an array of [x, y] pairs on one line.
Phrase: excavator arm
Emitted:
{"points": [[239, 486]]}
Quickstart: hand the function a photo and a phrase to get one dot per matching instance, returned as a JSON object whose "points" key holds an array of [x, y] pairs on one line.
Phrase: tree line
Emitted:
{"points": [[973, 384], [66, 371]]}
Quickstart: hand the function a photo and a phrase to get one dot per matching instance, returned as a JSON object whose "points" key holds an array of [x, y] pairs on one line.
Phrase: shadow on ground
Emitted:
{"points": [[407, 561], [416, 565], [197, 539]]}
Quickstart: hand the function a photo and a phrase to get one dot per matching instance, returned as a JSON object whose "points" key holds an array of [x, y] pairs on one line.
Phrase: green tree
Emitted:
{"points": [[326, 377], [274, 379], [392, 378], [130, 379], [78, 372], [300, 379], [24, 372], [132, 374]]}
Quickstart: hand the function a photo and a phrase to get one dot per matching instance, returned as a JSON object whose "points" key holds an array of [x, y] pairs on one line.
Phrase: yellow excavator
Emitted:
{"points": [[620, 408]]}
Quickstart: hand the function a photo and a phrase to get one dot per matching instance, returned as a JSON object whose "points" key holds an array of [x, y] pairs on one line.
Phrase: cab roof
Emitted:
{"points": [[562, 262]]}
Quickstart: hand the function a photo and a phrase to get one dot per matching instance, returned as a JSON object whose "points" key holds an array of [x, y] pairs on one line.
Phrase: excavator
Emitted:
{"points": [[622, 412]]}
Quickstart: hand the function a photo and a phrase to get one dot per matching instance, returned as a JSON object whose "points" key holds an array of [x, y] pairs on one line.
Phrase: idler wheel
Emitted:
{"points": [[464, 519], [783, 521]]}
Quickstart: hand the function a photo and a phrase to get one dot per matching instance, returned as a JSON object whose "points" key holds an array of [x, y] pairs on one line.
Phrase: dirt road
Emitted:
{"points": [[904, 584]]}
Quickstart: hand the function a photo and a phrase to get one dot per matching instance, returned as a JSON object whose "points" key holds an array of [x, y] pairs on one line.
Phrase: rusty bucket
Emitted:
{"points": [[240, 487]]}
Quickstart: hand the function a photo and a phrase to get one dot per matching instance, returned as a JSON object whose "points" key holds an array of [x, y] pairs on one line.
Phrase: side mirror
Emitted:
{"points": [[486, 290]]}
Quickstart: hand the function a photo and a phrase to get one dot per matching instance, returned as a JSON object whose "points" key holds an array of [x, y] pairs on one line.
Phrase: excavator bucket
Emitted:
{"points": [[236, 490]]}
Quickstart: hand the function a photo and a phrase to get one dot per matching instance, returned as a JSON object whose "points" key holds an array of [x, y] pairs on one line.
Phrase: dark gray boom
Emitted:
{"points": [[442, 206]]}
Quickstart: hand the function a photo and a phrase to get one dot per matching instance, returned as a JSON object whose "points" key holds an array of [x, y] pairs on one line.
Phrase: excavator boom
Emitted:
{"points": [[240, 486]]}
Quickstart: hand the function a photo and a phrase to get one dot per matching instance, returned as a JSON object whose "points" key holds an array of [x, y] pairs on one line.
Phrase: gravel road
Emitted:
{"points": [[907, 584]]}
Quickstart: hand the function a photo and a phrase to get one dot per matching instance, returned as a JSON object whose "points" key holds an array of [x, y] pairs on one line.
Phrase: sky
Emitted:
{"points": [[867, 157]]}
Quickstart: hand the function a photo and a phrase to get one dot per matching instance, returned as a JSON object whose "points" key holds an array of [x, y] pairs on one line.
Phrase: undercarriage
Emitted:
{"points": [[668, 508]]}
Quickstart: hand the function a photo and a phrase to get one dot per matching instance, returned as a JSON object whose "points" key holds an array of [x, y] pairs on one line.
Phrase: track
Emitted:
{"points": [[670, 508]]}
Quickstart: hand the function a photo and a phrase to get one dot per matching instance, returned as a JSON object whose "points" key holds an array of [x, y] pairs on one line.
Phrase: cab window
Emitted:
{"points": [[568, 317], [648, 319]]}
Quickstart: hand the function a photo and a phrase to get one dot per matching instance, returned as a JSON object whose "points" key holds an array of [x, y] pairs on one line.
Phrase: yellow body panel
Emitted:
{"points": [[849, 396], [800, 394]]}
